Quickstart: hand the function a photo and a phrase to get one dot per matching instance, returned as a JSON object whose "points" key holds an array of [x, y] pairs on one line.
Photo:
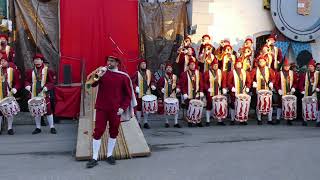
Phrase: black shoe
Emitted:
{"points": [[245, 123], [0, 132], [232, 123], [43, 123], [140, 125], [270, 123], [10, 132], [177, 126], [241, 123], [318, 124], [304, 123], [111, 160], [207, 124], [189, 124], [166, 125], [221, 124], [36, 131], [277, 122], [289, 123], [259, 123], [146, 126], [53, 131], [199, 124], [92, 163]]}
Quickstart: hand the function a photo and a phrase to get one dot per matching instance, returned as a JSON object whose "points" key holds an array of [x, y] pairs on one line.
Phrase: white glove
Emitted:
{"points": [[153, 87], [185, 96], [254, 85], [102, 71], [201, 94], [28, 88], [14, 90], [303, 92], [137, 89], [120, 111], [271, 85], [233, 89], [163, 91], [45, 89], [210, 90], [317, 89], [224, 91], [280, 92], [293, 90], [247, 90], [178, 90]]}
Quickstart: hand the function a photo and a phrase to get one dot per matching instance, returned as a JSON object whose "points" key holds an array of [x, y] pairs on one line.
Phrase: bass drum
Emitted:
{"points": [[298, 20]]}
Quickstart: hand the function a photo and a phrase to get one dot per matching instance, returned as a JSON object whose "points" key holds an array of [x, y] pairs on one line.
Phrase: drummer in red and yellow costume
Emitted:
{"points": [[143, 83], [5, 48], [286, 84], [115, 101], [309, 84], [213, 85], [191, 85], [10, 84], [168, 85], [263, 78], [275, 52], [39, 82], [206, 58], [239, 82], [246, 53]]}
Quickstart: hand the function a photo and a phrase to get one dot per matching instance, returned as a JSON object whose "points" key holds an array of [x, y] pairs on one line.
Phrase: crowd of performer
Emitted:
{"points": [[225, 83], [39, 82]]}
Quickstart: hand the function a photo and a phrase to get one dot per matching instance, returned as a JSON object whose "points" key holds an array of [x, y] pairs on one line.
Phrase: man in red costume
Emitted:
{"points": [[143, 83], [39, 82], [239, 82], [9, 86], [275, 52], [286, 84], [309, 84], [114, 99], [191, 85], [5, 48], [213, 85], [184, 59], [169, 89], [263, 78]]}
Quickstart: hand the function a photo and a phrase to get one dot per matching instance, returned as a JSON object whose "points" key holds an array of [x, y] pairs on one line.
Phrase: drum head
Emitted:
{"points": [[171, 100], [149, 98]]}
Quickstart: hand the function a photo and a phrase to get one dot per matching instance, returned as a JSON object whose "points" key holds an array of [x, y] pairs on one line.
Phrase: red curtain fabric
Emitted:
{"points": [[85, 27], [67, 101]]}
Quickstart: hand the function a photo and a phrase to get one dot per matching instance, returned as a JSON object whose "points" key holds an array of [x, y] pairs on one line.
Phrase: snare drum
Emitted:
{"points": [[149, 104], [289, 107], [171, 106], [194, 112], [220, 106], [264, 101], [309, 108], [9, 106], [242, 107], [37, 106]]}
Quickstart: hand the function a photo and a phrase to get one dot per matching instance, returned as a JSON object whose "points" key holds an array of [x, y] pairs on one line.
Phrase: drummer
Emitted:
{"points": [[309, 84], [10, 85], [263, 78], [169, 89], [239, 82], [191, 86], [213, 85], [143, 82], [286, 83], [38, 82]]}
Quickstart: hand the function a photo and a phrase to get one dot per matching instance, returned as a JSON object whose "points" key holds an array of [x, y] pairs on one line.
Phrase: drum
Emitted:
{"points": [[149, 104], [37, 106], [194, 112], [264, 101], [289, 107], [171, 106], [309, 108], [219, 106], [242, 107], [9, 106]]}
